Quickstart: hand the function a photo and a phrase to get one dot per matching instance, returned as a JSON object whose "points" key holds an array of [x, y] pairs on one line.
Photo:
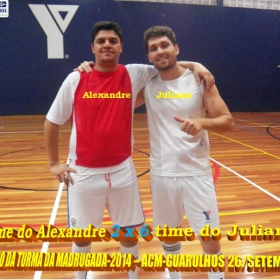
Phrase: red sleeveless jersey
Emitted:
{"points": [[103, 117]]}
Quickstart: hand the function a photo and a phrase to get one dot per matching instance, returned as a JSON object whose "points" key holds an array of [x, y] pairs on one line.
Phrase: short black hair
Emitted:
{"points": [[106, 25], [159, 31]]}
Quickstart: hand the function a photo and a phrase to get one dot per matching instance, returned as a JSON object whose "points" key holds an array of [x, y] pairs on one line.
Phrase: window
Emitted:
{"points": [[255, 4], [195, 2]]}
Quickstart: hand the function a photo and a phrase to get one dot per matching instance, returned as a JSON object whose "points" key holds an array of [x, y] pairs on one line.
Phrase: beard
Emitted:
{"points": [[165, 67]]}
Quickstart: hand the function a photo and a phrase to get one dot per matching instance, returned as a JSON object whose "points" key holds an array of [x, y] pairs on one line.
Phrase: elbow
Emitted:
{"points": [[231, 124]]}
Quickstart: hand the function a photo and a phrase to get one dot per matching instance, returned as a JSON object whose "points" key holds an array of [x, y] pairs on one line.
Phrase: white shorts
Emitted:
{"points": [[194, 196], [91, 193]]}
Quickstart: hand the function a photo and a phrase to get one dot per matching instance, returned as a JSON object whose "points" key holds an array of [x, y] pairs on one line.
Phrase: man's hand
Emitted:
{"points": [[200, 72], [85, 66], [189, 126], [61, 172]]}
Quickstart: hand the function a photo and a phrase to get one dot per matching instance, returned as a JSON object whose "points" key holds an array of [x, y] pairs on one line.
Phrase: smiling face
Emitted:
{"points": [[107, 47], [162, 53]]}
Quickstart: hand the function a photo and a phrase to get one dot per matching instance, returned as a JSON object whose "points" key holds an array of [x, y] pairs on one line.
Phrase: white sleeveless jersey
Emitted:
{"points": [[173, 152]]}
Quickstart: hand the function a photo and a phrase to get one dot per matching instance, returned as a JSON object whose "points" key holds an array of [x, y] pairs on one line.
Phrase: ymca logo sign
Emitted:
{"points": [[54, 28]]}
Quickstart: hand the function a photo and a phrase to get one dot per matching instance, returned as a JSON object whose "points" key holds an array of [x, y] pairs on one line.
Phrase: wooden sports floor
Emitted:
{"points": [[246, 169]]}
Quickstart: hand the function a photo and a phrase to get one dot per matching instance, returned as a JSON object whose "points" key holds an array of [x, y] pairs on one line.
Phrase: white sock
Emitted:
{"points": [[218, 274], [76, 249], [172, 250], [134, 251]]}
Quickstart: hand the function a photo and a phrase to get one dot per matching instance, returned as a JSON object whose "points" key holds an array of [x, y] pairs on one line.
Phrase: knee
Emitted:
{"points": [[128, 244], [82, 244], [211, 247]]}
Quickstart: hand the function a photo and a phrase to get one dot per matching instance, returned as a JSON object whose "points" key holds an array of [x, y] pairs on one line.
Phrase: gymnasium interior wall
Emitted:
{"points": [[43, 41]]}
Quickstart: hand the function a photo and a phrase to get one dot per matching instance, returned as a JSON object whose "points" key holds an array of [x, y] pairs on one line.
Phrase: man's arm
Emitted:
{"points": [[200, 72], [85, 66], [140, 100], [59, 170], [220, 119]]}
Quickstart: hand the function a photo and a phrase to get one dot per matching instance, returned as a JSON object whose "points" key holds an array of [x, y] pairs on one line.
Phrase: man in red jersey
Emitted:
{"points": [[101, 105]]}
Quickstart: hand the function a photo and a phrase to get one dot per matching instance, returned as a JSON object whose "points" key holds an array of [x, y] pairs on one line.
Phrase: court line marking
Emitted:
{"points": [[246, 145], [6, 164], [134, 159], [259, 124], [21, 163], [247, 180], [235, 155], [45, 246], [27, 132], [250, 212]]}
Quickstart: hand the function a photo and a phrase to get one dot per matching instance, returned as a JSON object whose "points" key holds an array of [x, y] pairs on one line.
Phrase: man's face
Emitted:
{"points": [[162, 53], [107, 47]]}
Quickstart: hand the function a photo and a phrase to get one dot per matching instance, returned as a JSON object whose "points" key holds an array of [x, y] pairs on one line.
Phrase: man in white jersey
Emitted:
{"points": [[181, 178], [100, 105]]}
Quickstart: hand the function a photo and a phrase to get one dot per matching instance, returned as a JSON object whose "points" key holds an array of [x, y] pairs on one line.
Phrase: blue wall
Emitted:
{"points": [[240, 46]]}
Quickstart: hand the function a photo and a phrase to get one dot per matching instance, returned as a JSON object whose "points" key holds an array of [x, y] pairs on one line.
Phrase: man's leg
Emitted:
{"points": [[128, 247], [212, 248], [125, 207], [81, 247], [168, 210], [86, 203], [200, 203], [171, 248]]}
